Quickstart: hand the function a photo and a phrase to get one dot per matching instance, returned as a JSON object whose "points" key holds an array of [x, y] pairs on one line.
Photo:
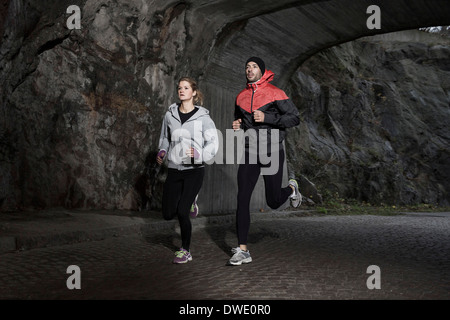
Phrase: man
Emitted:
{"points": [[267, 111]]}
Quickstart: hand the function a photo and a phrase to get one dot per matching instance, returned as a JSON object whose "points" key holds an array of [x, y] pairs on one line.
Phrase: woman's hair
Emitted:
{"points": [[198, 99]]}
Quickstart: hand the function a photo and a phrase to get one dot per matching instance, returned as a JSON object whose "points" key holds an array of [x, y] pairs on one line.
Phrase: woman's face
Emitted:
{"points": [[185, 92]]}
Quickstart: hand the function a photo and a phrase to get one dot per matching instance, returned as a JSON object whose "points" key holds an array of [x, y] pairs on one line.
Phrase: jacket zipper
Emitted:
{"points": [[251, 105], [182, 124]]}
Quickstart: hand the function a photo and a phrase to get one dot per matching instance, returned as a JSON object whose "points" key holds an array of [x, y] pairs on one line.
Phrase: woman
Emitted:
{"points": [[188, 140]]}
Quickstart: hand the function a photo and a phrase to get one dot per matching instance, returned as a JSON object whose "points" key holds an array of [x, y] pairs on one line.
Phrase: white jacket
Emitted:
{"points": [[198, 132]]}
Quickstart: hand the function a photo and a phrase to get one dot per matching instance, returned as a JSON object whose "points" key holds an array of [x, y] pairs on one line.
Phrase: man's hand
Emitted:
{"points": [[258, 116], [237, 124]]}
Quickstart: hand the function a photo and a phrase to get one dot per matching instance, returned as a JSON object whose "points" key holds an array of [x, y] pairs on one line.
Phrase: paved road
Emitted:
{"points": [[318, 257]]}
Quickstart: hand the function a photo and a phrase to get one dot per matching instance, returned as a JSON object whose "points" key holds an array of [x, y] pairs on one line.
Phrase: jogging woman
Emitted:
{"points": [[188, 140]]}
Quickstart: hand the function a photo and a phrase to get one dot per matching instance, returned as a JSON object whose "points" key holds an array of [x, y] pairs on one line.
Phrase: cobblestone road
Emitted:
{"points": [[295, 258]]}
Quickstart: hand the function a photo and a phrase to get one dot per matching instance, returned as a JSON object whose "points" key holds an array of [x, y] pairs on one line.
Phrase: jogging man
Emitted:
{"points": [[266, 111]]}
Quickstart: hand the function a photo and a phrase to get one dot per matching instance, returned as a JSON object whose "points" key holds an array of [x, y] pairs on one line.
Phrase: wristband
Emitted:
{"points": [[161, 154]]}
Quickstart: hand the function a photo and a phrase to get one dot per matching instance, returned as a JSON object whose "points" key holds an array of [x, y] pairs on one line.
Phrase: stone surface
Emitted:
{"points": [[297, 258], [375, 113], [80, 110]]}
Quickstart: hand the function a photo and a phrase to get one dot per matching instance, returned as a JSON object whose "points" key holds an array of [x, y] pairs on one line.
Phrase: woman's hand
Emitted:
{"points": [[192, 153], [160, 156]]}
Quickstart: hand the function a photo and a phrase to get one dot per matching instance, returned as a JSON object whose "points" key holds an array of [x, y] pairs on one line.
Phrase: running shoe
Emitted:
{"points": [[182, 256], [194, 209], [296, 196], [239, 257]]}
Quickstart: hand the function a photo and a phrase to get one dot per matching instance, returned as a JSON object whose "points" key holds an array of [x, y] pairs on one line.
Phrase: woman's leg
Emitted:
{"points": [[192, 183], [172, 189]]}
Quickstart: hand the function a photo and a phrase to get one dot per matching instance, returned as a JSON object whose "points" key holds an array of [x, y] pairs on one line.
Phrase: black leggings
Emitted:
{"points": [[179, 193], [276, 196]]}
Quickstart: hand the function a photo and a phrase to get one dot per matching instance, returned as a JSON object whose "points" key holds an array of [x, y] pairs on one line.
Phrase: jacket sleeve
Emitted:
{"points": [[164, 138], [239, 115], [288, 116], [211, 140], [237, 112]]}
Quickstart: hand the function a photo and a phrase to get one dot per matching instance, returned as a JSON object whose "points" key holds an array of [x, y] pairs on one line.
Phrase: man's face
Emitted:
{"points": [[253, 72]]}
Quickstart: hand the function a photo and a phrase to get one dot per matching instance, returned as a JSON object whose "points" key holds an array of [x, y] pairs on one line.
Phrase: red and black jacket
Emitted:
{"points": [[279, 111]]}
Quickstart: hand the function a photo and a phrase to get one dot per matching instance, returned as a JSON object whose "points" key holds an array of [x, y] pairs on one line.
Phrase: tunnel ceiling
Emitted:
{"points": [[286, 33]]}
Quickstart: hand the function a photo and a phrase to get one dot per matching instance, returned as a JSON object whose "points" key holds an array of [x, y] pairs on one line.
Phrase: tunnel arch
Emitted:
{"points": [[285, 36], [307, 27], [128, 73]]}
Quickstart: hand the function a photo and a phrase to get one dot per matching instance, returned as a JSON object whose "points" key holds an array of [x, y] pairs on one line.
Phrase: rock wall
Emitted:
{"points": [[375, 119], [81, 110]]}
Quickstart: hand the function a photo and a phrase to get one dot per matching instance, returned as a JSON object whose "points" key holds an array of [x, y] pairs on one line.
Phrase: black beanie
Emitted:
{"points": [[259, 62]]}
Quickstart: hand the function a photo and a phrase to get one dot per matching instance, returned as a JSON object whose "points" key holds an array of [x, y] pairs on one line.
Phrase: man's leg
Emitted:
{"points": [[247, 178], [276, 196], [248, 175]]}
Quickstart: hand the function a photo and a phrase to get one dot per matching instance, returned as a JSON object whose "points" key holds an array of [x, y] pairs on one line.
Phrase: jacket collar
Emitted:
{"points": [[265, 79], [173, 109]]}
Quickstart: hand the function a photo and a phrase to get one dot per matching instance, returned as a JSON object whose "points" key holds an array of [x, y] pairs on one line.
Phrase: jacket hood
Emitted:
{"points": [[266, 78], [173, 109]]}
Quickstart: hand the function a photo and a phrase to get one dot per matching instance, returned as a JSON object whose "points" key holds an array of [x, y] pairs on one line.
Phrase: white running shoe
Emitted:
{"points": [[240, 257], [296, 196]]}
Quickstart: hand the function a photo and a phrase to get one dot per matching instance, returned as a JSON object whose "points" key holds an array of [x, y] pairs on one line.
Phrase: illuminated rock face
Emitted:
{"points": [[80, 110], [375, 113]]}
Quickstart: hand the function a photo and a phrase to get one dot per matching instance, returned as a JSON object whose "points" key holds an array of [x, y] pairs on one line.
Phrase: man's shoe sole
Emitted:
{"points": [[245, 261]]}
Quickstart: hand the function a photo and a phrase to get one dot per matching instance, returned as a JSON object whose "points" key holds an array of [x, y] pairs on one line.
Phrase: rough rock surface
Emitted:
{"points": [[81, 110], [375, 117]]}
